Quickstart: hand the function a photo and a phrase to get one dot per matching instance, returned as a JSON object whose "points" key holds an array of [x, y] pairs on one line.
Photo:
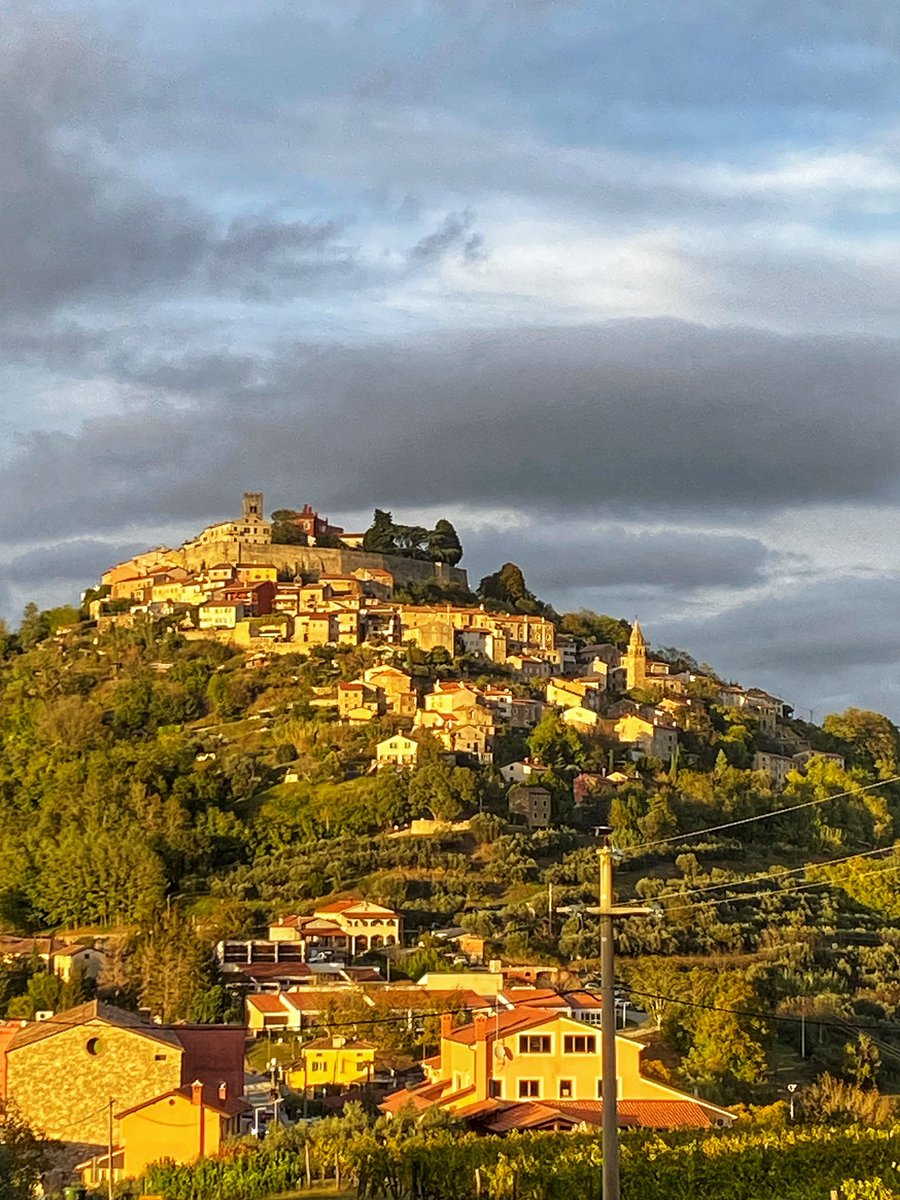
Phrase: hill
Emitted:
{"points": [[163, 790]]}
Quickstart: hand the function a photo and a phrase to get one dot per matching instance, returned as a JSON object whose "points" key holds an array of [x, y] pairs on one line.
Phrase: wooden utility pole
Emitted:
{"points": [[609, 1083], [109, 1149]]}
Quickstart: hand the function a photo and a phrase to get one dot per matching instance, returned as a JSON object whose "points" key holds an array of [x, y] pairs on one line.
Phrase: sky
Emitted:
{"points": [[613, 286]]}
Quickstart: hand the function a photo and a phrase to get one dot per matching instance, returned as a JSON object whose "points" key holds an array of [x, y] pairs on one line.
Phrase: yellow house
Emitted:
{"points": [[354, 925], [332, 1062], [533, 1068], [183, 1125], [653, 738], [450, 697], [579, 715], [220, 615], [396, 751], [574, 693], [257, 573]]}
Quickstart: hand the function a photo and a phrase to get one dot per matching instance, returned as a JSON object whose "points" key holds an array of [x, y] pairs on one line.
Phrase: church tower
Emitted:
{"points": [[253, 506], [635, 659]]}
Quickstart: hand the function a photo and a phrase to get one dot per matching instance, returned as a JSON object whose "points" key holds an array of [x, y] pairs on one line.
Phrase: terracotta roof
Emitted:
{"points": [[227, 1107], [646, 1114], [270, 971], [327, 1043], [505, 1023], [94, 1010], [398, 1100], [265, 1002]]}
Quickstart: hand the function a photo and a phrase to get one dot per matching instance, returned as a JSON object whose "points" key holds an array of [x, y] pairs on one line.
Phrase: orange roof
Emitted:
{"points": [[228, 1108], [505, 1023], [647, 1114], [265, 1002]]}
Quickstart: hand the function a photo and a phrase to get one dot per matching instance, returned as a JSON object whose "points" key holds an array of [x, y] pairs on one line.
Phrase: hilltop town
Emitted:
{"points": [[296, 824]]}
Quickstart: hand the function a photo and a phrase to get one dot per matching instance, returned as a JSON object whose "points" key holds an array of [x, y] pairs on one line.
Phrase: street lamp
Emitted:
{"points": [[792, 1087]]}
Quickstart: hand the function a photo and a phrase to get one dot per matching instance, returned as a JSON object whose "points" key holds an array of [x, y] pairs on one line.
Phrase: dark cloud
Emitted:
{"points": [[629, 419], [568, 559], [79, 562], [77, 223], [454, 234]]}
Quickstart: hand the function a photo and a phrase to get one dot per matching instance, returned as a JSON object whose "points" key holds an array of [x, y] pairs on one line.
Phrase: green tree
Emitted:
{"points": [[444, 544], [862, 1060], [873, 737], [284, 531], [23, 1156], [34, 626], [379, 537], [175, 968]]}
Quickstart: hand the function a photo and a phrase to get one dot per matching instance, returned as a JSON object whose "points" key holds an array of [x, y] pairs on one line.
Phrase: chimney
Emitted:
{"points": [[446, 1030], [223, 1090], [482, 1059], [196, 1092]]}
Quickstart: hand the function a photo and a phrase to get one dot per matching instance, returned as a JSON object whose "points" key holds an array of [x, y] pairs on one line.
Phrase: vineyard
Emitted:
{"points": [[805, 1164]]}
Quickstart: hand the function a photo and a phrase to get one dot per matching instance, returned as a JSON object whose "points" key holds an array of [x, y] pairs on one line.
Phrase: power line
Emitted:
{"points": [[764, 876], [836, 1023], [780, 892], [778, 812]]}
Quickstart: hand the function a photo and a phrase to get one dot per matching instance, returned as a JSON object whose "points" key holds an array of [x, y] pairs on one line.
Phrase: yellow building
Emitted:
{"points": [[575, 693], [257, 573], [183, 1125], [451, 697], [536, 1068], [653, 738], [220, 615], [634, 660], [396, 751], [396, 688], [353, 925], [336, 1062]]}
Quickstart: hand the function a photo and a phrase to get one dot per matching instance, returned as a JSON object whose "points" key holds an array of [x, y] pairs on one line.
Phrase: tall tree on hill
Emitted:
{"points": [[871, 735], [379, 537], [444, 544], [284, 531], [411, 540]]}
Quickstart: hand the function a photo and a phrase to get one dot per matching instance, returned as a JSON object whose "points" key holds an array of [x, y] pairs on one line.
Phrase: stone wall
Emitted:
{"points": [[63, 1089], [313, 561]]}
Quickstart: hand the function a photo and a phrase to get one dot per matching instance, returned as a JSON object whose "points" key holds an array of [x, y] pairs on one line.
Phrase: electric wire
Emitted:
{"points": [[777, 812]]}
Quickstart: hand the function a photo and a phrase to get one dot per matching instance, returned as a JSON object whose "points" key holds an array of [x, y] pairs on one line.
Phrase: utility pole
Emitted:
{"points": [[109, 1149], [609, 1083]]}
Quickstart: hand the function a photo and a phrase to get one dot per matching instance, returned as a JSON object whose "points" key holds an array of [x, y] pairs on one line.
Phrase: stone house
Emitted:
{"points": [[61, 1073], [532, 803]]}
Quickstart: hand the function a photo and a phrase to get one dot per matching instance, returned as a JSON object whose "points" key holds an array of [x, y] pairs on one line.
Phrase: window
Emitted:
{"points": [[495, 1089], [565, 1089], [529, 1089], [579, 1043], [530, 1043]]}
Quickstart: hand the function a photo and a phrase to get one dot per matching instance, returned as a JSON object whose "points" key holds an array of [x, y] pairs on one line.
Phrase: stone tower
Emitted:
{"points": [[635, 659], [254, 509]]}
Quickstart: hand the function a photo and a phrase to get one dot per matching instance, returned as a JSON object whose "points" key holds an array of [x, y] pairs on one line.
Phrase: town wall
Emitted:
{"points": [[313, 561]]}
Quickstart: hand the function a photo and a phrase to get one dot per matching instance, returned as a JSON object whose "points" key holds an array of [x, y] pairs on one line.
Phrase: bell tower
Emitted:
{"points": [[253, 507], [635, 659]]}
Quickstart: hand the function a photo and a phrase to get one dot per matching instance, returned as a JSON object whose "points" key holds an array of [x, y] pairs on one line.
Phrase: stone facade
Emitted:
{"points": [[62, 1084], [313, 561]]}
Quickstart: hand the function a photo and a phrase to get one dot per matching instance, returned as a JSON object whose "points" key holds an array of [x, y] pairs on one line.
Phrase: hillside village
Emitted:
{"points": [[284, 835], [255, 602]]}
